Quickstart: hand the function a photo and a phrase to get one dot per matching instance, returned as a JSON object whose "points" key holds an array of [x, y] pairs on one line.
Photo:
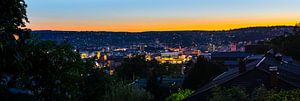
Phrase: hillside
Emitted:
{"points": [[185, 38]]}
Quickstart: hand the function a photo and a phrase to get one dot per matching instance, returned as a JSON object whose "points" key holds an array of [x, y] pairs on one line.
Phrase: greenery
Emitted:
{"points": [[180, 95], [12, 18], [133, 68], [48, 70], [123, 92], [288, 45], [137, 67], [231, 94], [259, 94], [262, 94], [95, 84], [44, 70], [173, 70], [56, 71], [201, 73]]}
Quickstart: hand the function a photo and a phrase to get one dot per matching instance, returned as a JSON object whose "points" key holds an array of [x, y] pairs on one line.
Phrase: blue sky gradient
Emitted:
{"points": [[117, 12]]}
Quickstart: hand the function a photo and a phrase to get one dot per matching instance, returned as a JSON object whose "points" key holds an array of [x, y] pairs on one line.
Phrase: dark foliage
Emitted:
{"points": [[202, 72], [38, 70], [259, 94], [95, 84], [288, 45], [133, 68], [154, 79]]}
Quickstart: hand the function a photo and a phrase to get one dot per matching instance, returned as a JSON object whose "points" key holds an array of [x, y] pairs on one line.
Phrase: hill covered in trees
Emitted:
{"points": [[288, 44], [84, 40]]}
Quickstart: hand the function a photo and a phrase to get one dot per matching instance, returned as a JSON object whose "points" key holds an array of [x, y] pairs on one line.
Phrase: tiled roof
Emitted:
{"points": [[230, 54], [289, 73]]}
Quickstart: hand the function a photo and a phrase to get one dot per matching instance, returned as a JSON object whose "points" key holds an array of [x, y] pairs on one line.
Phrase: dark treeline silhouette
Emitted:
{"points": [[201, 73], [288, 44], [137, 68]]}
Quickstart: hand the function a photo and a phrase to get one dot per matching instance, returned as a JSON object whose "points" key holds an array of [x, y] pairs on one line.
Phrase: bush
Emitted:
{"points": [[262, 94], [259, 94], [124, 92], [180, 95], [230, 94]]}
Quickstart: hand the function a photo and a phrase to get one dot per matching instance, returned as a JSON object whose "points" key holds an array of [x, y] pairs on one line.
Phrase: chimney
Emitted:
{"points": [[274, 76], [242, 66]]}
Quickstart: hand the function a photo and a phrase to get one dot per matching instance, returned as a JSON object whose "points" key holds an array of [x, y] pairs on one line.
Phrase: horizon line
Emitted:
{"points": [[208, 30]]}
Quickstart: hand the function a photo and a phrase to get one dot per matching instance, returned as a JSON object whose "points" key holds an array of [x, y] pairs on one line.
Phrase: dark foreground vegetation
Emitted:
{"points": [[259, 94]]}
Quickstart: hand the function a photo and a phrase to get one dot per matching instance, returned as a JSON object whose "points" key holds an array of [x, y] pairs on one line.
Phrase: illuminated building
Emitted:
{"points": [[211, 48], [84, 55], [108, 63], [172, 57], [98, 55], [120, 49], [105, 58], [175, 49], [242, 49], [103, 50], [148, 57], [142, 47], [193, 52], [233, 47], [111, 72]]}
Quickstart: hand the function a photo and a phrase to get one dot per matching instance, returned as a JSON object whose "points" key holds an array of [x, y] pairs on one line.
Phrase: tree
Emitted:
{"points": [[56, 71], [297, 28], [263, 94], [172, 69], [180, 95], [288, 45], [133, 68], [121, 91], [259, 94], [44, 70], [12, 37], [153, 83], [95, 84], [229, 94], [202, 72], [13, 14]]}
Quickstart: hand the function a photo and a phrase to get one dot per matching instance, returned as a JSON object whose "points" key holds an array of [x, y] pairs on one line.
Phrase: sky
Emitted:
{"points": [[159, 15]]}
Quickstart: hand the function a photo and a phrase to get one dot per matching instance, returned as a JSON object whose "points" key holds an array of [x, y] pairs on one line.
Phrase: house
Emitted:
{"points": [[270, 71], [227, 56], [228, 59]]}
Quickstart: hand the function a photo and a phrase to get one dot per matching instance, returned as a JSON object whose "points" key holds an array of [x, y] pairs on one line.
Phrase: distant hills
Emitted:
{"points": [[87, 39]]}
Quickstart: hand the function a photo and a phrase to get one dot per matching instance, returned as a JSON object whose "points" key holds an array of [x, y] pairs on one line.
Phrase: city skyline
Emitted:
{"points": [[159, 15]]}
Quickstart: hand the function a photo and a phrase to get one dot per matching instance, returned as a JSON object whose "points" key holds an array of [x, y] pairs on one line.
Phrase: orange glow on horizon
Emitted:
{"points": [[160, 24]]}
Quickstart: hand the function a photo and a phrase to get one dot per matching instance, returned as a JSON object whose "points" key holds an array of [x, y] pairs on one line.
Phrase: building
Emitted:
{"points": [[256, 48], [224, 56], [233, 47], [228, 59], [270, 71], [173, 58]]}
